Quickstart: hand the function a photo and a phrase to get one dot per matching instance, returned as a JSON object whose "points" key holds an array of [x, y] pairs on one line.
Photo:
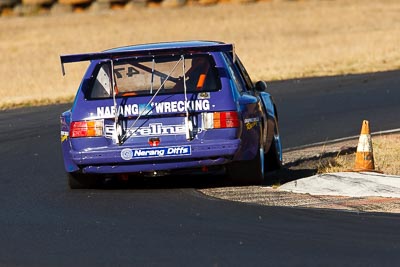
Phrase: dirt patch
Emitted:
{"points": [[269, 196], [305, 162]]}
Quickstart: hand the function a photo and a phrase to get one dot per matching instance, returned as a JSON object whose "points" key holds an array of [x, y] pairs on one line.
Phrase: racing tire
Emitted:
{"points": [[248, 172], [81, 181], [272, 158]]}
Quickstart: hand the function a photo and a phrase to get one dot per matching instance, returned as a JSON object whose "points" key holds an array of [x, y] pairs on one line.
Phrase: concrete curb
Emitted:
{"points": [[345, 191], [352, 184]]}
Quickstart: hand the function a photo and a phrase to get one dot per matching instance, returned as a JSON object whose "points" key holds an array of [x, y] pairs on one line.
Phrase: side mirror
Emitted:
{"points": [[261, 86]]}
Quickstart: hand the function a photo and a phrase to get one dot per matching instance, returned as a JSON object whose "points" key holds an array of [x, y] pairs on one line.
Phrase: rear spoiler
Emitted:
{"points": [[145, 53]]}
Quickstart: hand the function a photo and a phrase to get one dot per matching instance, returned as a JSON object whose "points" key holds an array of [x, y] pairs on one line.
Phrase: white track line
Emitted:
{"points": [[339, 140]]}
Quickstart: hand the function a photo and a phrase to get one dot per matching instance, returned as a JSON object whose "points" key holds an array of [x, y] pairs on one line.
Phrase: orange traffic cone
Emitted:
{"points": [[364, 155]]}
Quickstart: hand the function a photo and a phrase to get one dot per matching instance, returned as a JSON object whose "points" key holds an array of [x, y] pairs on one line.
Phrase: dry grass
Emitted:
{"points": [[275, 39], [386, 151], [387, 154]]}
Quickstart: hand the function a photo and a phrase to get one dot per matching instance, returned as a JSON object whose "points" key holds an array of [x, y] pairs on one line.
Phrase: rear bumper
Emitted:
{"points": [[131, 159], [160, 166]]}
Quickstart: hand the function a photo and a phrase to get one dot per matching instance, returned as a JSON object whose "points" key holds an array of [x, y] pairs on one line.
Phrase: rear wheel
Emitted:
{"points": [[272, 158], [81, 181], [249, 171]]}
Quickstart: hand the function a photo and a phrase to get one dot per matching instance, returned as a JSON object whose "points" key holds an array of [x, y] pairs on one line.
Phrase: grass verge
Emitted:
{"points": [[386, 151], [36, 102]]}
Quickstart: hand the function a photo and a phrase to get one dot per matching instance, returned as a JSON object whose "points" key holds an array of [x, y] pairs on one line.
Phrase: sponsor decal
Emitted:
{"points": [[128, 154], [251, 123], [124, 110], [154, 129], [64, 125], [64, 135], [161, 107], [204, 95]]}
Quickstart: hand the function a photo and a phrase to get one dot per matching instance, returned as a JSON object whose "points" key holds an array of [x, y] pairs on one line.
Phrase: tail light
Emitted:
{"points": [[86, 128], [217, 120]]}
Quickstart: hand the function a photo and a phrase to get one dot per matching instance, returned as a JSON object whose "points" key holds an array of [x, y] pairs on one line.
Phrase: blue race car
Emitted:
{"points": [[163, 108]]}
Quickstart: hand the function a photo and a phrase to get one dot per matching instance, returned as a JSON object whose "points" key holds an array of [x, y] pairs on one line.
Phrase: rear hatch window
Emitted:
{"points": [[146, 76]]}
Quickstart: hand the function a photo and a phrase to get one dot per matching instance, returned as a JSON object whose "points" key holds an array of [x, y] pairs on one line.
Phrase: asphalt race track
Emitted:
{"points": [[320, 109], [157, 224]]}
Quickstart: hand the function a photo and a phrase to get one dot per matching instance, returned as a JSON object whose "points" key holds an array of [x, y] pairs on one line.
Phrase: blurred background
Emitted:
{"points": [[275, 39]]}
